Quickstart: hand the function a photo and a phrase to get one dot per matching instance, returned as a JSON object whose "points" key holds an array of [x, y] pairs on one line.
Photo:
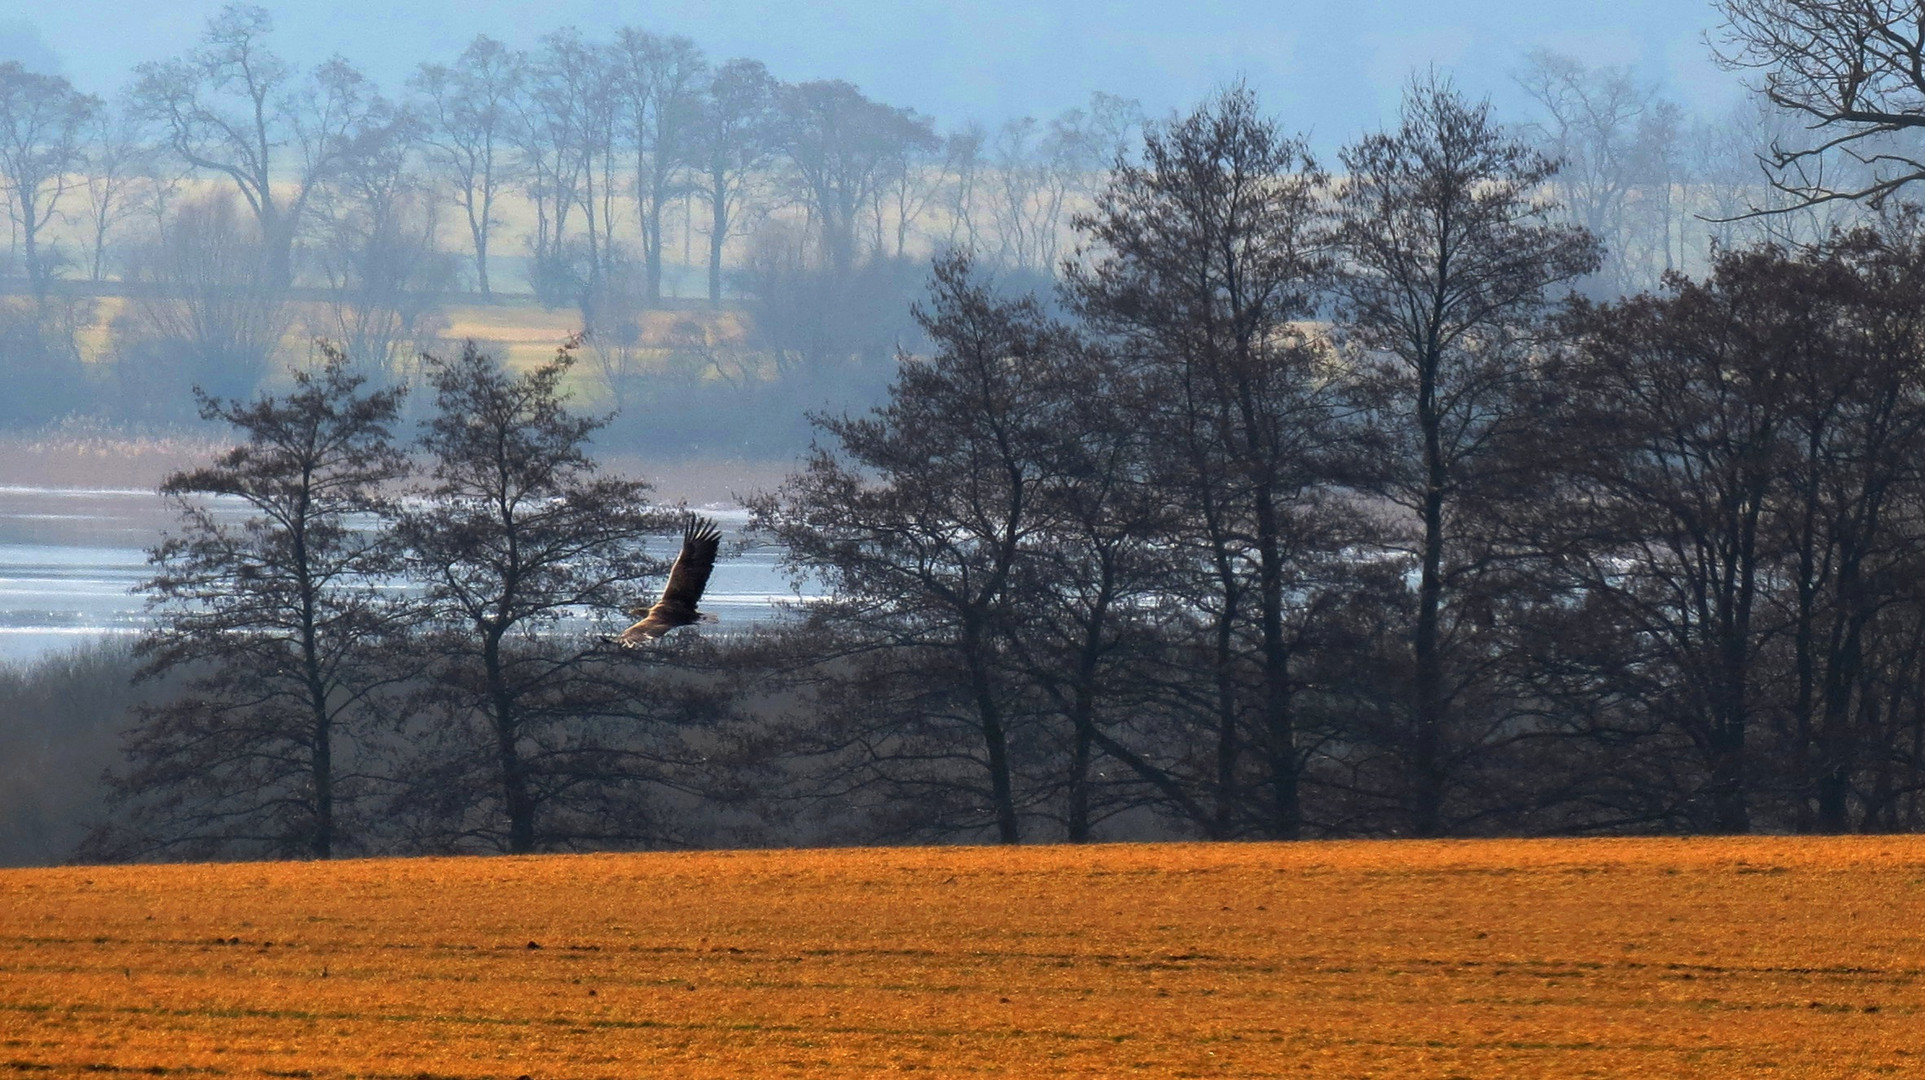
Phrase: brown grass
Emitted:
{"points": [[1739, 958]]}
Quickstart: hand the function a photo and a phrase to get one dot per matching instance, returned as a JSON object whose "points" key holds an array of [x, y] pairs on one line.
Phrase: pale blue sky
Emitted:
{"points": [[1333, 69]]}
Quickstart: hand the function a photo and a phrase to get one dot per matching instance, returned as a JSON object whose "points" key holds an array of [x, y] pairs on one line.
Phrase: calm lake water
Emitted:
{"points": [[71, 558]]}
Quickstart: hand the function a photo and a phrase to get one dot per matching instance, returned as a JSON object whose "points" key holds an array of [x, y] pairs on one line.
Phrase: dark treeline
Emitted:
{"points": [[1449, 560], [1304, 507]]}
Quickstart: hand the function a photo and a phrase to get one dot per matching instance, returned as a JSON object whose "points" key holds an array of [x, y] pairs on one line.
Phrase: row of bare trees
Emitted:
{"points": [[609, 143], [229, 182], [1310, 508], [375, 654], [1461, 560], [604, 141]]}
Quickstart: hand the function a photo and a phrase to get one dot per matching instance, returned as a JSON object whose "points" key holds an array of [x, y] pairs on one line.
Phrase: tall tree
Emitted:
{"points": [[1206, 258], [662, 80], [1673, 429], [1607, 131], [279, 615], [210, 307], [376, 251], [120, 178], [551, 169], [1028, 195], [841, 146], [1846, 528], [515, 536], [43, 121], [468, 108], [234, 108], [571, 136], [1042, 170], [733, 143], [917, 516], [1094, 623], [1448, 249]]}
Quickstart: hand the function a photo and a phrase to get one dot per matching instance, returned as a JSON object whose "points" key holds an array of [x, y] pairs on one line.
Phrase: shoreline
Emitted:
{"points": [[83, 459]]}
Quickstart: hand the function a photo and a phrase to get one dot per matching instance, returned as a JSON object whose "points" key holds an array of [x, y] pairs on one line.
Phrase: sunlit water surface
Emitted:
{"points": [[72, 560]]}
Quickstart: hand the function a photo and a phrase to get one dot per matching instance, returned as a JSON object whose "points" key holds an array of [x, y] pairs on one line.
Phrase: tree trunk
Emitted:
{"points": [[718, 234], [1427, 773], [1083, 706], [1286, 817], [516, 798], [480, 232], [1079, 769], [652, 241], [995, 742], [322, 846], [1837, 745], [277, 236], [1730, 812], [1228, 745], [30, 239]]}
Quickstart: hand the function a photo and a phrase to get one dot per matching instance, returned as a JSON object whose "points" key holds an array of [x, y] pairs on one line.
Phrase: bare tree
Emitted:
{"points": [[207, 304], [543, 134], [1098, 625], [734, 142], [43, 120], [1044, 172], [1205, 258], [842, 147], [278, 618], [121, 176], [514, 536], [571, 136], [234, 108], [1028, 204], [916, 519], [1672, 418], [1849, 538], [1850, 69], [1610, 134], [376, 251], [962, 153], [916, 180], [467, 108], [662, 81], [1448, 250]]}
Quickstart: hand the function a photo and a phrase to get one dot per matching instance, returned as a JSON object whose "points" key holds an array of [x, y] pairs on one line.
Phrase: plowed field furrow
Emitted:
{"points": [[1757, 957]]}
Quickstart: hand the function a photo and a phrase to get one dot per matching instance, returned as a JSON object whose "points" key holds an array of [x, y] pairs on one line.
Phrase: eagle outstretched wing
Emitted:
{"points": [[701, 541]]}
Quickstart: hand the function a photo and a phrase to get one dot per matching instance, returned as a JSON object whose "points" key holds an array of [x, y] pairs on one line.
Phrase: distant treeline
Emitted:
{"points": [[1164, 553], [245, 200]]}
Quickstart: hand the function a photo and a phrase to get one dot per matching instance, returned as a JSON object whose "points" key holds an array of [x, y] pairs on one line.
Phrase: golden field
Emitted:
{"points": [[519, 332], [1756, 957]]}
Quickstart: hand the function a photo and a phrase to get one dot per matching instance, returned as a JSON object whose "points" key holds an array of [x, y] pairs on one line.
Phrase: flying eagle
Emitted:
{"points": [[701, 540]]}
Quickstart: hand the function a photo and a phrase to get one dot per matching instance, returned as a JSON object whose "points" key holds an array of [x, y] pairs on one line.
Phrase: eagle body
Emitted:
{"points": [[701, 541]]}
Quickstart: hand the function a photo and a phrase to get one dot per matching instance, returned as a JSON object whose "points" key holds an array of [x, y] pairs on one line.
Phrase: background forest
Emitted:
{"points": [[734, 246], [1162, 480]]}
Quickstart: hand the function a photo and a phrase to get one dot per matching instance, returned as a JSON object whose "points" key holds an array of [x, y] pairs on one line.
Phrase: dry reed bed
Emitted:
{"points": [[1749, 957]]}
